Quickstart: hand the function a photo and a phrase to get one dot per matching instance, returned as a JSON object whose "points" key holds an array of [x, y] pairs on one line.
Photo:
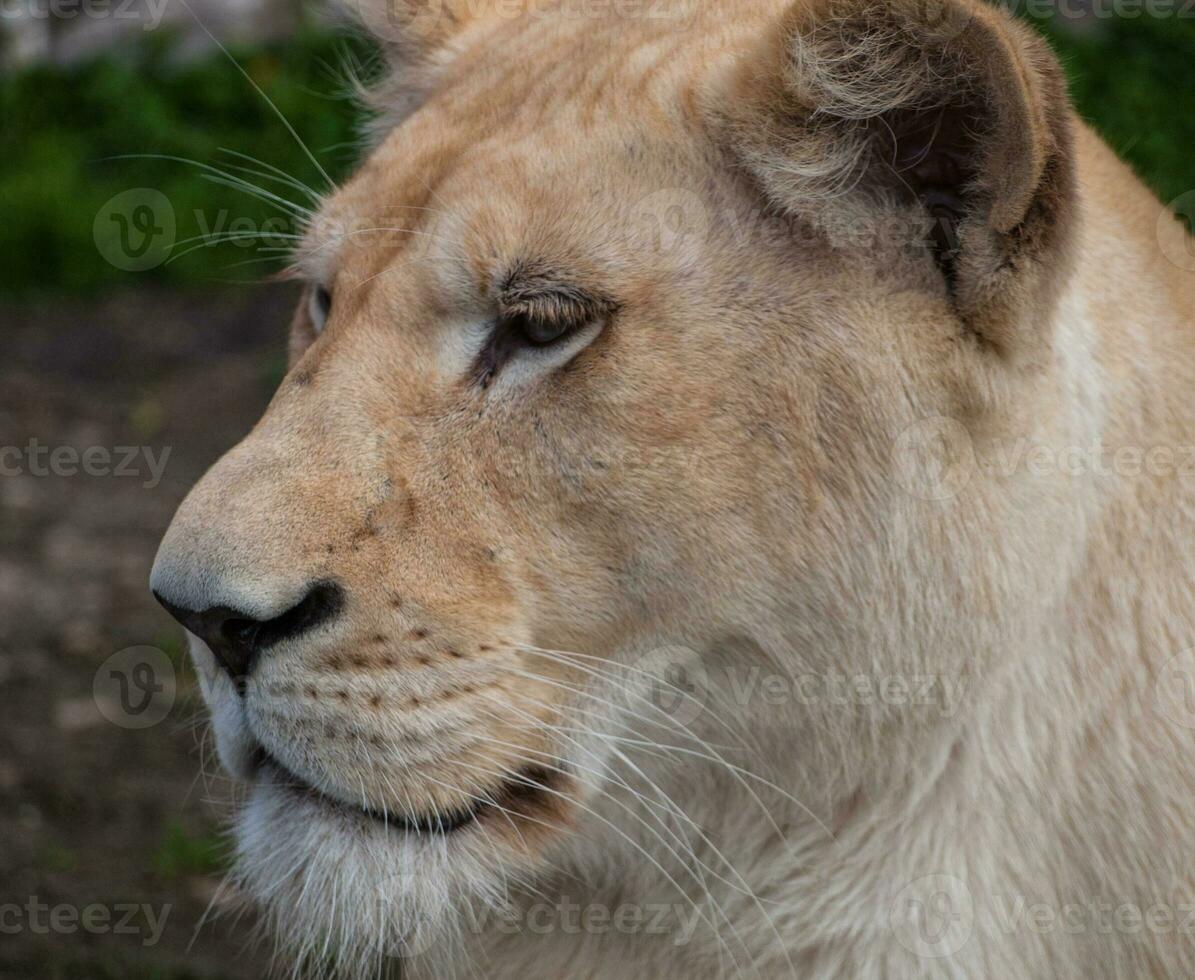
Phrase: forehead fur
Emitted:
{"points": [[598, 57], [540, 130]]}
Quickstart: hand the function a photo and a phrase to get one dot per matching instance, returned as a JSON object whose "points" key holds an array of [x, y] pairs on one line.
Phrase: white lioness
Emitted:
{"points": [[729, 514]]}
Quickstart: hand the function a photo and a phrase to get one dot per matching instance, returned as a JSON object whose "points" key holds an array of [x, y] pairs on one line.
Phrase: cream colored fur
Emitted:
{"points": [[774, 460]]}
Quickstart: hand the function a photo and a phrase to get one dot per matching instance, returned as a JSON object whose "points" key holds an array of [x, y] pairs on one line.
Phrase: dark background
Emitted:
{"points": [[180, 354]]}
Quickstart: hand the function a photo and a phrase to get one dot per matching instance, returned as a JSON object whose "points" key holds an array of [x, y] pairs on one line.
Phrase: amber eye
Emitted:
{"points": [[513, 332], [536, 331], [319, 306]]}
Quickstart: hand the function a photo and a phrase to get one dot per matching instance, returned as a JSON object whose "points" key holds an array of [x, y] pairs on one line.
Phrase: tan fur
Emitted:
{"points": [[726, 458]]}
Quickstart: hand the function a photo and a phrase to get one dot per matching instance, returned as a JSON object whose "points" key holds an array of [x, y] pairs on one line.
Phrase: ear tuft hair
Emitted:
{"points": [[947, 109]]}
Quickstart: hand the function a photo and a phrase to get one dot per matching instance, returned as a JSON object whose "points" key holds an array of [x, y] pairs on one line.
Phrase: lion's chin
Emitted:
{"points": [[343, 891]]}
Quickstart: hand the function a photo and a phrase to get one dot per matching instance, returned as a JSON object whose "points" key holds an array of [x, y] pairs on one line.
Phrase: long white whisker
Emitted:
{"points": [[280, 175], [714, 755], [611, 674], [651, 809], [258, 89], [514, 776], [668, 807]]}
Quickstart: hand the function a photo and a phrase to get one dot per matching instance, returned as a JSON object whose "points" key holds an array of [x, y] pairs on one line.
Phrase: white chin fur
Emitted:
{"points": [[343, 894]]}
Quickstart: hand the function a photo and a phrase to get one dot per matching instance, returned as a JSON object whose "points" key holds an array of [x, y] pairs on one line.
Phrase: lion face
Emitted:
{"points": [[579, 375]]}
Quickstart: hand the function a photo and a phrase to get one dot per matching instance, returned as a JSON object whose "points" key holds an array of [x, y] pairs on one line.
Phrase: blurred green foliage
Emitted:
{"points": [[1132, 79], [62, 129], [182, 853], [95, 965]]}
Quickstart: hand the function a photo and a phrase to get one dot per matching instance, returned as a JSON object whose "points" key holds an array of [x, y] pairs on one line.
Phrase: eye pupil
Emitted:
{"points": [[540, 332], [323, 300]]}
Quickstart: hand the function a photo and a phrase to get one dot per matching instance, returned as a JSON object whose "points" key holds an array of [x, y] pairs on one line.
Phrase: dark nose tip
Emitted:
{"points": [[236, 638]]}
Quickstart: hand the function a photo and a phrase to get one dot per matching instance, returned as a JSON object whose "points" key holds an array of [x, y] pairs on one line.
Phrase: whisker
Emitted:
{"points": [[514, 776], [257, 88], [562, 657], [713, 755], [279, 174], [211, 172]]}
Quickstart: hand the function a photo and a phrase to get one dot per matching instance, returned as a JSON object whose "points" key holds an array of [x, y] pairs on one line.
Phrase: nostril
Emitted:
{"points": [[236, 639], [321, 604]]}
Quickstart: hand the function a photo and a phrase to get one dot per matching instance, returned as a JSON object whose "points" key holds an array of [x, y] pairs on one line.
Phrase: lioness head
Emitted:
{"points": [[611, 355]]}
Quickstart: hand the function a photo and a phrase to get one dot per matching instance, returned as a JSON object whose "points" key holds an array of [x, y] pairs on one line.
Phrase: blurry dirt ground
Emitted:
{"points": [[91, 811]]}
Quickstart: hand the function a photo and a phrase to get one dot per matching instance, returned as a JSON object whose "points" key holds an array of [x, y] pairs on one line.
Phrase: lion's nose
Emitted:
{"points": [[236, 638]]}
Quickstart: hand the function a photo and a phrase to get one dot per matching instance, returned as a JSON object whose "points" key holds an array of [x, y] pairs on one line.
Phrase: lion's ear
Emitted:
{"points": [[945, 111]]}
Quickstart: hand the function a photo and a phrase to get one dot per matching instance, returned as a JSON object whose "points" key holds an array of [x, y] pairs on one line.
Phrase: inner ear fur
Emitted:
{"points": [[945, 111]]}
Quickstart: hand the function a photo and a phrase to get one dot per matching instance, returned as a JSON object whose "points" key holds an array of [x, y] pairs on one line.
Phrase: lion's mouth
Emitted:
{"points": [[529, 790]]}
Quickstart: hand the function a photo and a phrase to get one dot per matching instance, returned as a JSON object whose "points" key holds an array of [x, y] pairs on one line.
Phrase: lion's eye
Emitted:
{"points": [[536, 334], [534, 330], [319, 306]]}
